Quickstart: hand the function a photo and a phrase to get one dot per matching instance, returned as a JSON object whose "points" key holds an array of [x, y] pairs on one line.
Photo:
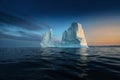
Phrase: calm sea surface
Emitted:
{"points": [[95, 63]]}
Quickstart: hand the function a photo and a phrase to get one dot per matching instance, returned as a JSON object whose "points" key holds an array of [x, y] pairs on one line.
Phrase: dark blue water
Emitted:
{"points": [[95, 63]]}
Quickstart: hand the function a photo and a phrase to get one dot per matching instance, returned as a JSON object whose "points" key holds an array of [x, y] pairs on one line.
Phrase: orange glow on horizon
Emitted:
{"points": [[104, 35]]}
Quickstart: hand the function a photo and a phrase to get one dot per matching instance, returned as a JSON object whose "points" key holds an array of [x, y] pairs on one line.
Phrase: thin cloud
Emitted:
{"points": [[24, 36], [9, 19]]}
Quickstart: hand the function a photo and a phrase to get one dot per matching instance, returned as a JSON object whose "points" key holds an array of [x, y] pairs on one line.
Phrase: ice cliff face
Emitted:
{"points": [[46, 39], [74, 36]]}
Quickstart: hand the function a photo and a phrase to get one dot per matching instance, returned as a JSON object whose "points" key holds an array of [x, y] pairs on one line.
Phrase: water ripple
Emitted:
{"points": [[95, 63]]}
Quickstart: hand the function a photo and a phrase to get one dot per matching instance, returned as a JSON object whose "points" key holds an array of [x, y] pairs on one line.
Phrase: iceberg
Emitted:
{"points": [[72, 37], [46, 39]]}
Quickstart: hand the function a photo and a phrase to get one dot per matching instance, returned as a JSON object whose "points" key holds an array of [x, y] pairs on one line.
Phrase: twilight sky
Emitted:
{"points": [[22, 22]]}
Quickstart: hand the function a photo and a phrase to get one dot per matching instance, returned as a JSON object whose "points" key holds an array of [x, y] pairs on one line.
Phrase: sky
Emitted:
{"points": [[22, 22]]}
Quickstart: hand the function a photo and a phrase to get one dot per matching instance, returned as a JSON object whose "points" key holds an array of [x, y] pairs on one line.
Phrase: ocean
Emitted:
{"points": [[94, 63]]}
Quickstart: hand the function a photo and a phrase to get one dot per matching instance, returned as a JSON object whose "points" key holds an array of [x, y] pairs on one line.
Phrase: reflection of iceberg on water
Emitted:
{"points": [[72, 37]]}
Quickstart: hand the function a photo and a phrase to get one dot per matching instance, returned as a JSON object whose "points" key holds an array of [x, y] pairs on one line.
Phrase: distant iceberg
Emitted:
{"points": [[72, 37]]}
